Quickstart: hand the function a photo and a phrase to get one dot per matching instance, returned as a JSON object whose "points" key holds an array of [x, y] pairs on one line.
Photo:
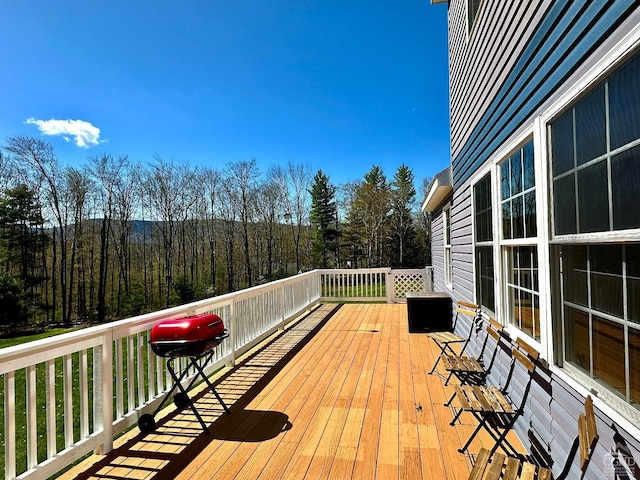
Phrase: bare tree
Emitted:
{"points": [[211, 182], [168, 200], [78, 186], [242, 178], [42, 173], [229, 216], [298, 179], [115, 180], [371, 207], [269, 207]]}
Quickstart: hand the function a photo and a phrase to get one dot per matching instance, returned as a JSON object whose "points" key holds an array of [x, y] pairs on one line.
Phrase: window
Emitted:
{"points": [[472, 9], [601, 310], [518, 207], [595, 152], [485, 294], [523, 299], [448, 266], [518, 194]]}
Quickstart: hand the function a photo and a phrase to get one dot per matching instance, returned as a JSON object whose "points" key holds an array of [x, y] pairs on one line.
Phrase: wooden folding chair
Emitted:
{"points": [[472, 370], [445, 340], [492, 406], [512, 468]]}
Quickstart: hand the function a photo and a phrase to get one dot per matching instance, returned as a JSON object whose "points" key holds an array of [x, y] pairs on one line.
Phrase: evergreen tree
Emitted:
{"points": [[22, 243], [369, 212], [324, 219], [402, 232]]}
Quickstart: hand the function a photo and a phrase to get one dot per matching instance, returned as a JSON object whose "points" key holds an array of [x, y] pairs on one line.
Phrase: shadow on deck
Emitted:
{"points": [[343, 393]]}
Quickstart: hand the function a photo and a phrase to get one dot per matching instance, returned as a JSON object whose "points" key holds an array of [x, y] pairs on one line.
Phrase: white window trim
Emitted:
{"points": [[528, 134], [618, 410], [479, 175], [448, 260]]}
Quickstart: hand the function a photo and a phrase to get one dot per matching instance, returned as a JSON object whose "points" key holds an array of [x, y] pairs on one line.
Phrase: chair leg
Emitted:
{"points": [[502, 438], [450, 400], [473, 435], [446, 382], [456, 416], [437, 360]]}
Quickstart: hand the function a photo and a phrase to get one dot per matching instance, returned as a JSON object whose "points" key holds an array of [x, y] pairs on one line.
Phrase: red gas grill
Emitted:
{"points": [[196, 338]]}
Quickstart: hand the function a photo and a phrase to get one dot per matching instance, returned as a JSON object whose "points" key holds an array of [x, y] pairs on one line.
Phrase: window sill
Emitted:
{"points": [[624, 415]]}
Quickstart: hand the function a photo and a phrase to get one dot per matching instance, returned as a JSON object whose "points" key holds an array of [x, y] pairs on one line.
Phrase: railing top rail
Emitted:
{"points": [[354, 270], [20, 356]]}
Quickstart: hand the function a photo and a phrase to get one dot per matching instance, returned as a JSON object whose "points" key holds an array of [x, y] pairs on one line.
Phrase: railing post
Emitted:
{"points": [[10, 424], [233, 327], [389, 286], [105, 398], [283, 307]]}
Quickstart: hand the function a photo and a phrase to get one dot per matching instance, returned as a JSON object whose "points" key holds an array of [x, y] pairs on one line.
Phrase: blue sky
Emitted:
{"points": [[337, 85]]}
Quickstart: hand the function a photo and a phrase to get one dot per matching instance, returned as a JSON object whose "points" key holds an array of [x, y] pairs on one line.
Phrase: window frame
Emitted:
{"points": [[615, 407], [473, 10], [509, 287], [604, 160], [448, 256], [483, 244]]}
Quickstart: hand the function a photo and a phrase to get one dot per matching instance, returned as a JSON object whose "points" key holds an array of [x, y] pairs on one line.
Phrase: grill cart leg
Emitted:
{"points": [[184, 392], [147, 423], [213, 389]]}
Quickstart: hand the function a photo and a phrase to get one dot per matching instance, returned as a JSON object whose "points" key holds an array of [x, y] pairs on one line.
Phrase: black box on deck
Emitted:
{"points": [[429, 312]]}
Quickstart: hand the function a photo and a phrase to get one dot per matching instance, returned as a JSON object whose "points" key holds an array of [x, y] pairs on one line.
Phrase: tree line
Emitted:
{"points": [[116, 237]]}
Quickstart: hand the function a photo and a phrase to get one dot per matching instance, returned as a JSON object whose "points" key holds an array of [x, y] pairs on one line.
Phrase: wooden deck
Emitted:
{"points": [[341, 399]]}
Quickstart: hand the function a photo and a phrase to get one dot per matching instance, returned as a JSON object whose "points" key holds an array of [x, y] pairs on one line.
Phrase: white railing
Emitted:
{"points": [[72, 394], [374, 284]]}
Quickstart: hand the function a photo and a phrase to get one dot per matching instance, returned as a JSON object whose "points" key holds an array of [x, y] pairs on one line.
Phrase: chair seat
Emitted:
{"points": [[473, 398], [445, 337], [507, 468], [462, 364]]}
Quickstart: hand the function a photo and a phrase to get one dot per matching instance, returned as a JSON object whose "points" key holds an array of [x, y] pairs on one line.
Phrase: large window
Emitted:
{"points": [[601, 303], [518, 208], [484, 244], [595, 152], [595, 166]]}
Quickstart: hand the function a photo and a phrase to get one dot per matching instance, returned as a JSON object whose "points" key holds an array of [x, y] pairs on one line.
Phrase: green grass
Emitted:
{"points": [[11, 341], [369, 290], [41, 400]]}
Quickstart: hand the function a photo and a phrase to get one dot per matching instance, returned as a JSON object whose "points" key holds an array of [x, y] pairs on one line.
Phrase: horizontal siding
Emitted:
{"points": [[567, 34], [462, 246], [437, 251], [480, 66]]}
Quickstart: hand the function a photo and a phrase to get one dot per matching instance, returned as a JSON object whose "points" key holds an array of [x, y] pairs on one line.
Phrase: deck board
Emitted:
{"points": [[353, 400]]}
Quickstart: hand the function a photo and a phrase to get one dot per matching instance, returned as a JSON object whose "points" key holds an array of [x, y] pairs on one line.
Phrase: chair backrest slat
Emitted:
{"points": [[532, 352], [524, 360], [464, 311], [471, 306], [494, 329], [587, 432]]}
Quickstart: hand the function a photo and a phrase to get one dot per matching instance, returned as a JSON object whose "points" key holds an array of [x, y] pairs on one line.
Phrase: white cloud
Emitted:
{"points": [[83, 133]]}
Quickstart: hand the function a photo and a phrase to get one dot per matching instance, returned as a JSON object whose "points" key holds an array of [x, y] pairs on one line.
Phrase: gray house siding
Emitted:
{"points": [[437, 250], [568, 33], [461, 246], [480, 64], [519, 59]]}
